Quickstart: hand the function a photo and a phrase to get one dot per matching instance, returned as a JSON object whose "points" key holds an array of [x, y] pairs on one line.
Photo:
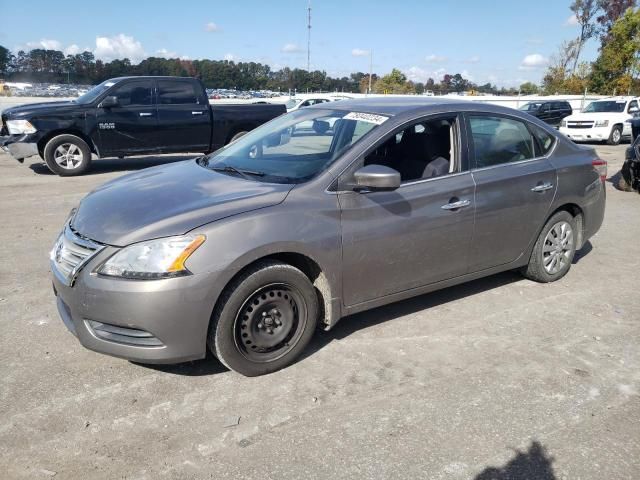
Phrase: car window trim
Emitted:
{"points": [[471, 146], [129, 81], [461, 136]]}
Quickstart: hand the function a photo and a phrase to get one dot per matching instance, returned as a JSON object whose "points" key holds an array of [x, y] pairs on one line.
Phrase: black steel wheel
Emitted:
{"points": [[264, 319], [270, 322]]}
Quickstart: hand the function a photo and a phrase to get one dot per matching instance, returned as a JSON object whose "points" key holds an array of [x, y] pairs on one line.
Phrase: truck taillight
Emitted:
{"points": [[600, 166]]}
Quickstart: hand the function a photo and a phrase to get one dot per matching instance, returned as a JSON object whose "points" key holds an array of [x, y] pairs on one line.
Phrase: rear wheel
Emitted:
{"points": [[554, 250], [67, 155], [616, 135], [264, 319]]}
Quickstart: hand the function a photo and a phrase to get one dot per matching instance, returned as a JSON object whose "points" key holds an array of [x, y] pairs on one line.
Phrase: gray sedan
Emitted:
{"points": [[319, 214]]}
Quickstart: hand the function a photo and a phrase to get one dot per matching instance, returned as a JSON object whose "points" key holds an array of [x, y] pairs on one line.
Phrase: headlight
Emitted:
{"points": [[601, 123], [20, 127], [161, 258], [563, 123]]}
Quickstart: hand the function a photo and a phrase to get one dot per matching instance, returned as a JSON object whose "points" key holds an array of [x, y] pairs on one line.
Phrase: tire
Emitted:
{"points": [[542, 267], [56, 153], [237, 136], [264, 319], [616, 135]]}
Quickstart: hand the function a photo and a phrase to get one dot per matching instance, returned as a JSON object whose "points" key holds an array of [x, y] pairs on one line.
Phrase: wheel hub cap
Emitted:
{"points": [[557, 247]]}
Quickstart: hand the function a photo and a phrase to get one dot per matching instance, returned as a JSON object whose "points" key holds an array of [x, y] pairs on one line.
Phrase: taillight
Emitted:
{"points": [[600, 166]]}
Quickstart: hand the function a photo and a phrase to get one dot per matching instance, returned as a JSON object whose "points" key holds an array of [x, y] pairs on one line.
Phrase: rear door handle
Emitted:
{"points": [[456, 205], [543, 187], [145, 114], [197, 113]]}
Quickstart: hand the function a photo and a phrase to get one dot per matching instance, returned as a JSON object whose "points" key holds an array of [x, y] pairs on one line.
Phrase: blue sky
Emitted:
{"points": [[503, 41]]}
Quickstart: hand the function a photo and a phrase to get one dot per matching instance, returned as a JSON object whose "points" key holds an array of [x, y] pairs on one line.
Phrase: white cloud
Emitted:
{"points": [[229, 57], [467, 75], [291, 48], [418, 74], [164, 53], [72, 49], [359, 52], [435, 58], [532, 61], [474, 59], [534, 41], [119, 46], [212, 27], [45, 43], [185, 57], [572, 21]]}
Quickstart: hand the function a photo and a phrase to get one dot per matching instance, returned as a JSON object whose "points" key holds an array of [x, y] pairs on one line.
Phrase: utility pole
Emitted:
{"points": [[370, 69], [309, 37]]}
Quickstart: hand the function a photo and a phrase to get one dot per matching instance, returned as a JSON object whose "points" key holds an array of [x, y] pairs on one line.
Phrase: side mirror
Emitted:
{"points": [[108, 102], [321, 127], [377, 177], [634, 110]]}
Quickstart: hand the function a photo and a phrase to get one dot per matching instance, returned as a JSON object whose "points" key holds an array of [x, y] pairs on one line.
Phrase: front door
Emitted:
{"points": [[515, 185], [130, 126], [421, 232]]}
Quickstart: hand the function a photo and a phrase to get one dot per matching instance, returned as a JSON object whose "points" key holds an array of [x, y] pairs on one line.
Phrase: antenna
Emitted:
{"points": [[309, 37]]}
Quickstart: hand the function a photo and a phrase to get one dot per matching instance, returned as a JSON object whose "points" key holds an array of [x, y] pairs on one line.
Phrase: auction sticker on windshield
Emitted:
{"points": [[366, 117]]}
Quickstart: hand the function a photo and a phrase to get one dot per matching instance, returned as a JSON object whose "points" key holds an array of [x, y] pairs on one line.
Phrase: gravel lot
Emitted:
{"points": [[501, 378]]}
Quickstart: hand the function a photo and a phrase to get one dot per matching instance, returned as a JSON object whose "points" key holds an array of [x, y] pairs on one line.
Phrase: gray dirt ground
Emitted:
{"points": [[501, 378]]}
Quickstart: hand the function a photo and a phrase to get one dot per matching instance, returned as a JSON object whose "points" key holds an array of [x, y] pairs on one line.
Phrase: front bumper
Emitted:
{"points": [[154, 321], [19, 146], [597, 134]]}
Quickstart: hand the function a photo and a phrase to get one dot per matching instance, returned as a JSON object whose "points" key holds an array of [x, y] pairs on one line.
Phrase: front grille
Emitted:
{"points": [[124, 335], [70, 253], [588, 124]]}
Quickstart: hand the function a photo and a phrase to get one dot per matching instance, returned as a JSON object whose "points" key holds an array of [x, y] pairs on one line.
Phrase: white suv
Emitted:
{"points": [[602, 120]]}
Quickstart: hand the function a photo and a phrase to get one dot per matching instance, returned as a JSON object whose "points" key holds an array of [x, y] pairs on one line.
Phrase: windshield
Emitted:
{"points": [[95, 92], [606, 106], [530, 106], [292, 103], [294, 147]]}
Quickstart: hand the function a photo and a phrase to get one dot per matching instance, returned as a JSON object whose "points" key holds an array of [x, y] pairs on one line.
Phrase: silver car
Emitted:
{"points": [[319, 214]]}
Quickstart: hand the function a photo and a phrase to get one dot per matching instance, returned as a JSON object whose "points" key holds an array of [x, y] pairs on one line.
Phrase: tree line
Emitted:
{"points": [[616, 25]]}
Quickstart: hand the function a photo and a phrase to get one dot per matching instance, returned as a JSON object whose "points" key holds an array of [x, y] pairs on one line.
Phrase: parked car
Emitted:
{"points": [[630, 171], [127, 116], [248, 250], [551, 112], [602, 120]]}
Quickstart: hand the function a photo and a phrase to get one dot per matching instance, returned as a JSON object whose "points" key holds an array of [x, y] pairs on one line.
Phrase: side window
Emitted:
{"points": [[133, 94], [422, 150], [544, 140], [546, 107], [172, 92], [632, 104], [499, 140]]}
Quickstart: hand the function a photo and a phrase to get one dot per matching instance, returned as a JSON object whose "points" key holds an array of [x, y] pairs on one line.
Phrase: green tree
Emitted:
{"points": [[584, 11], [394, 82], [528, 88], [617, 65], [5, 59]]}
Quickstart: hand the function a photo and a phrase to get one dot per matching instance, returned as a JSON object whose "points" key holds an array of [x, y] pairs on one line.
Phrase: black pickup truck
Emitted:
{"points": [[127, 116]]}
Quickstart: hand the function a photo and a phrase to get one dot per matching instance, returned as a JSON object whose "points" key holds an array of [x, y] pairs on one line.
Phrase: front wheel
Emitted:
{"points": [[616, 135], [67, 155], [554, 250], [264, 319]]}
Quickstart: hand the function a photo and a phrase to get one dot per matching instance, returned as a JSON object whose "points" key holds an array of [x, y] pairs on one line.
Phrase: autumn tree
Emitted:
{"points": [[584, 11]]}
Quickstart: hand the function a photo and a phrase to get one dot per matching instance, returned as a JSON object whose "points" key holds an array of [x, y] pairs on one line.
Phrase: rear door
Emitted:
{"points": [[515, 185], [184, 116], [130, 126]]}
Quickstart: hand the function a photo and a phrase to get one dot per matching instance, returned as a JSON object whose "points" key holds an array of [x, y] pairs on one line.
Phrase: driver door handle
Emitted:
{"points": [[456, 205], [145, 114], [197, 113], [543, 187]]}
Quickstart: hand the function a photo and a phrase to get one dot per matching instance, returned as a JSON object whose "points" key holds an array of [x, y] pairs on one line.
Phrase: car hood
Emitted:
{"points": [[581, 116], [168, 200], [30, 109]]}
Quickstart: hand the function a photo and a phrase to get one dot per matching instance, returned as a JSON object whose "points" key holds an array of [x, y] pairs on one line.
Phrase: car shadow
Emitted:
{"points": [[109, 165], [532, 464]]}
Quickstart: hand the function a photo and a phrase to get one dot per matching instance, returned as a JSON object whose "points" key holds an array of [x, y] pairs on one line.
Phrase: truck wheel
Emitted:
{"points": [[264, 319], [237, 136], [554, 250], [616, 135], [67, 155]]}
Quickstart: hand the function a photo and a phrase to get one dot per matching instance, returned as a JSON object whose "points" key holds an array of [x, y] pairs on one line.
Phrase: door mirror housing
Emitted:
{"points": [[634, 110], [376, 177], [108, 102]]}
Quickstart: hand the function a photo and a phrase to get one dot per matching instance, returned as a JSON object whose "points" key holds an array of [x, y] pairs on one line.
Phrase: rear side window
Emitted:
{"points": [[499, 140], [133, 93], [172, 92], [544, 140]]}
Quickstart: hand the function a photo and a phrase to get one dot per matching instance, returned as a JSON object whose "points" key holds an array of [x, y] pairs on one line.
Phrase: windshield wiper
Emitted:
{"points": [[242, 172]]}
